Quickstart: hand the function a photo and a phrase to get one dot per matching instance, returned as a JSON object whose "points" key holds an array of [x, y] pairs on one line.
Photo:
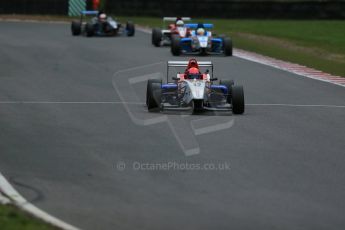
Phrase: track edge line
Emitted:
{"points": [[11, 195]]}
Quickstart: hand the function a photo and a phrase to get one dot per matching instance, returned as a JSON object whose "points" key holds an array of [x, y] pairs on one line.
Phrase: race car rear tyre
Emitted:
{"points": [[175, 46], [156, 37], [228, 84], [130, 29], [148, 88], [227, 45], [155, 94], [237, 99], [76, 28], [89, 30]]}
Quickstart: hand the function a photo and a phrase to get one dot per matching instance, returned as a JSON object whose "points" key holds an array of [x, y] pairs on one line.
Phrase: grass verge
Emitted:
{"points": [[319, 44], [11, 218]]}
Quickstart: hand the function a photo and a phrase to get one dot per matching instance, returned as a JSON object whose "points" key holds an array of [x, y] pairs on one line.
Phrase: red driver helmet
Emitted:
{"points": [[193, 70], [193, 73]]}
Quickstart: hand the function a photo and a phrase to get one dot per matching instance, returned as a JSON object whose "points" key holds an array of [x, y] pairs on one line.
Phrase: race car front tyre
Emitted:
{"points": [[89, 30], [228, 84], [155, 95], [197, 105], [237, 99], [130, 29], [227, 45], [76, 28], [156, 37], [175, 46], [148, 88]]}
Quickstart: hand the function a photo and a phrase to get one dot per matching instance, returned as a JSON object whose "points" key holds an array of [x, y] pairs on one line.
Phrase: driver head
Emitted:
{"points": [[200, 31], [102, 17], [179, 23], [193, 73]]}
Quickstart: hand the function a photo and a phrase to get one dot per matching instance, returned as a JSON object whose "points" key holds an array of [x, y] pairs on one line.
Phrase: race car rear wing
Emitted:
{"points": [[185, 64], [195, 25], [171, 19], [87, 12]]}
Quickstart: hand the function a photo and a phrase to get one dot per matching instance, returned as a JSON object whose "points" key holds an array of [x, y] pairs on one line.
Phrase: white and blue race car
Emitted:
{"points": [[194, 91], [201, 42]]}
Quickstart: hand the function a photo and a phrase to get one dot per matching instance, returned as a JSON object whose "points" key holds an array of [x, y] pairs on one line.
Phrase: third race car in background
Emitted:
{"points": [[162, 37], [194, 89], [100, 25], [201, 41]]}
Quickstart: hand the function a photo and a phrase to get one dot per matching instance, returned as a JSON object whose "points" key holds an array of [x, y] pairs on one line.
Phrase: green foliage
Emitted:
{"points": [[13, 219]]}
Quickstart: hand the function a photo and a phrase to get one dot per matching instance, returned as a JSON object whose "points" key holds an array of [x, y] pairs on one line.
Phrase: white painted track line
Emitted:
{"points": [[69, 102], [299, 105], [4, 200], [139, 103]]}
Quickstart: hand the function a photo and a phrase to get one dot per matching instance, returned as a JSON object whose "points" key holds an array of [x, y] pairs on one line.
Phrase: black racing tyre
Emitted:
{"points": [[227, 46], [89, 30], [130, 28], [175, 46], [198, 106], [148, 88], [203, 51], [154, 97], [156, 37], [228, 84], [237, 99], [76, 28], [114, 32]]}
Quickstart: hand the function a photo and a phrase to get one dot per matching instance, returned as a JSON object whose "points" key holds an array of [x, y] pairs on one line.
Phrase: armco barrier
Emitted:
{"points": [[284, 9], [329, 9], [56, 7]]}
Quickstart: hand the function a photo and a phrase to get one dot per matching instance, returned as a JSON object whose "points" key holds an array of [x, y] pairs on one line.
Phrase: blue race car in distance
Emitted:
{"points": [[100, 25], [201, 42]]}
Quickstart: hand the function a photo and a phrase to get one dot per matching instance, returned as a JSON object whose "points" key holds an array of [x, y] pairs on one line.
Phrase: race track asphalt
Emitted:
{"points": [[66, 127]]}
